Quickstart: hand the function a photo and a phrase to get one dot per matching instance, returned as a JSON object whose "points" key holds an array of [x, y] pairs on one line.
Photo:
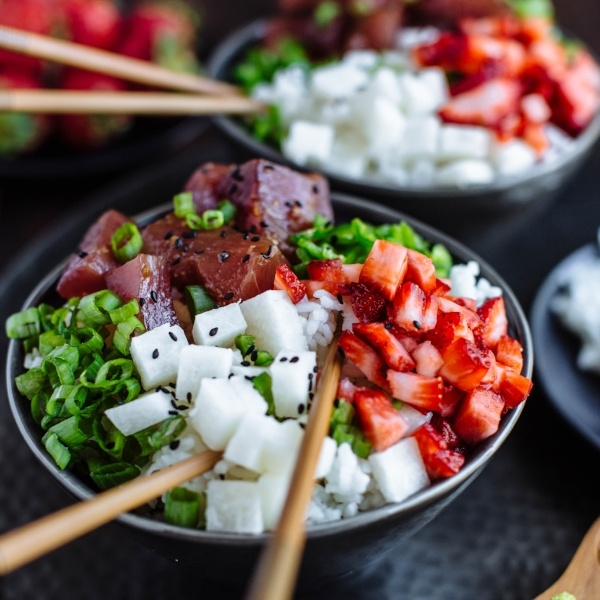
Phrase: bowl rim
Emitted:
{"points": [[221, 59], [422, 499]]}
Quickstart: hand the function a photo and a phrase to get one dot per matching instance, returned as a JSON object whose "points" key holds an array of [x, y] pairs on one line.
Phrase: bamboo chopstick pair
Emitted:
{"points": [[277, 570], [218, 97]]}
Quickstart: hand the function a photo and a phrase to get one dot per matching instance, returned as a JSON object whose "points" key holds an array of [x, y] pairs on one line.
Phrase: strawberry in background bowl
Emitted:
{"points": [[482, 106]]}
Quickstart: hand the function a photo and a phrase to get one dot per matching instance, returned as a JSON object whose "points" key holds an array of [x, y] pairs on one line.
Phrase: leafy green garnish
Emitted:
{"points": [[532, 8], [325, 13]]}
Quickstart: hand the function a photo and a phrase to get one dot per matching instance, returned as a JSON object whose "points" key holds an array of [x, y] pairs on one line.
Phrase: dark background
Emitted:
{"points": [[509, 536]]}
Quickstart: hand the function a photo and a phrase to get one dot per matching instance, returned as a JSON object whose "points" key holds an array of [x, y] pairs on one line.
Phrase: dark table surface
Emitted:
{"points": [[507, 537]]}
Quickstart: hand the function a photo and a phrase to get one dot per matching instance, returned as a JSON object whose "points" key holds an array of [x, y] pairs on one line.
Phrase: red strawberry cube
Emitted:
{"points": [[384, 268], [478, 416]]}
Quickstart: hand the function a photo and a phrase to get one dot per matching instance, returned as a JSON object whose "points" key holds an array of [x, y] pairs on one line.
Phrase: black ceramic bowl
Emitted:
{"points": [[333, 549], [438, 205]]}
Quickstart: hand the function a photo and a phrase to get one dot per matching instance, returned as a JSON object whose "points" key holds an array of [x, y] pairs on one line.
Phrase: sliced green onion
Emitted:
{"points": [[198, 299], [125, 329], [183, 204], [325, 13], [182, 507], [71, 432], [228, 209], [193, 221], [94, 309], [212, 219], [57, 450], [113, 474], [49, 340], [350, 434], [60, 365], [87, 340], [126, 242], [38, 407], [111, 373], [31, 382], [124, 312], [152, 439], [108, 437], [127, 390], [23, 324]]}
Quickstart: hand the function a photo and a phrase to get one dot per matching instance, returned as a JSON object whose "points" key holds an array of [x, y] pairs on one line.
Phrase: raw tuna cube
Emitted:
{"points": [[198, 362], [292, 375], [399, 470], [274, 322], [233, 506], [219, 326], [204, 184], [220, 406], [145, 278], [144, 411], [156, 354]]}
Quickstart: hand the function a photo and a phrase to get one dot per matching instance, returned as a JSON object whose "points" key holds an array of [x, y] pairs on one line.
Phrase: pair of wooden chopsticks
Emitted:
{"points": [[218, 97], [277, 570]]}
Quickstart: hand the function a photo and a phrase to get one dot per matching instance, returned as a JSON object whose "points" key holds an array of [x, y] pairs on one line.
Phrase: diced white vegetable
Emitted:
{"points": [[145, 411], [220, 406], [347, 155], [198, 362], [418, 95], [249, 371], [363, 59], [290, 89], [273, 491], [155, 354], [219, 326], [339, 80], [464, 141], [428, 359], [399, 470], [385, 126], [420, 139], [293, 376], [246, 445], [408, 37], [326, 457], [436, 81], [462, 173], [280, 447], [233, 506], [308, 142], [385, 84], [423, 173], [346, 481], [274, 322], [415, 418], [514, 156]]}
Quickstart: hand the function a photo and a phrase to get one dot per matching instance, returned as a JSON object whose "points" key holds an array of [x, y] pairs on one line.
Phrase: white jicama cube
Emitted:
{"points": [[290, 90], [273, 491], [198, 362], [423, 173], [465, 172], [145, 411], [386, 85], [155, 354], [246, 445], [420, 138], [292, 376], [514, 156], [280, 447], [220, 406], [436, 81], [233, 506], [326, 457], [339, 80], [385, 127], [274, 322], [345, 480], [414, 418], [418, 96], [464, 141], [308, 142], [347, 155], [399, 470], [363, 59], [219, 326]]}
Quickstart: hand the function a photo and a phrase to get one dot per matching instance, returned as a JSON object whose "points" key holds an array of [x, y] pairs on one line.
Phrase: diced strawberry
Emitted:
{"points": [[346, 389], [442, 287], [447, 52], [478, 416], [535, 135], [387, 344], [417, 390], [445, 331], [326, 270], [428, 359], [469, 303], [535, 109], [440, 461], [506, 26], [384, 268], [382, 424], [364, 357], [534, 28], [451, 398], [509, 352], [485, 105], [333, 287], [469, 318], [421, 270], [465, 365], [514, 388], [409, 307], [287, 280], [352, 272], [368, 305], [91, 22], [494, 320], [443, 427]]}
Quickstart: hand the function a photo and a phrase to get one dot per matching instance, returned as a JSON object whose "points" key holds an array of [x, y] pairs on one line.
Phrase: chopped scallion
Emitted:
{"points": [[126, 242]]}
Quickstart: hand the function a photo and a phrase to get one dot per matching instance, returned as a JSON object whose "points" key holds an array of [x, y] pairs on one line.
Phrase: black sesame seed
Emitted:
{"points": [[294, 359], [213, 331], [315, 369], [223, 256], [230, 376], [178, 242], [311, 396], [311, 376], [185, 248], [300, 408], [154, 296], [189, 234], [224, 233], [245, 363], [289, 204], [283, 359], [176, 260], [252, 229], [255, 238], [236, 175], [340, 299], [183, 407], [155, 353], [189, 396], [298, 203], [268, 167], [172, 412], [168, 235], [174, 445], [245, 258], [267, 254], [173, 403], [264, 224], [336, 403], [254, 355], [388, 326], [228, 296], [82, 254], [233, 189], [303, 425], [315, 189], [417, 324], [221, 477], [198, 251], [250, 350], [248, 377], [142, 301], [172, 336]]}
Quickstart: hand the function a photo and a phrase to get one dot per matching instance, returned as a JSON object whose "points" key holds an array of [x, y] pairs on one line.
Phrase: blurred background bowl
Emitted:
{"points": [[332, 549], [445, 207]]}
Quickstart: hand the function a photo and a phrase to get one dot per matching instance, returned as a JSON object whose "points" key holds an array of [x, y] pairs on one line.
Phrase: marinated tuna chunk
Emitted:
{"points": [[205, 184], [147, 279], [85, 272], [232, 265]]}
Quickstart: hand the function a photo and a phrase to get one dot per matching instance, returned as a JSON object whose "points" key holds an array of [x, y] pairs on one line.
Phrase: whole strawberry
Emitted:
{"points": [[36, 16], [162, 31], [90, 22], [20, 133], [85, 131]]}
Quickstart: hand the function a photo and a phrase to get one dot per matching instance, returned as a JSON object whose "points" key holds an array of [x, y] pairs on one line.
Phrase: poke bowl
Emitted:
{"points": [[347, 116], [334, 546]]}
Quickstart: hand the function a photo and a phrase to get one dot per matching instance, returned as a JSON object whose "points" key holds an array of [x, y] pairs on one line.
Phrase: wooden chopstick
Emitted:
{"points": [[278, 566], [149, 103], [25, 544], [110, 63]]}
